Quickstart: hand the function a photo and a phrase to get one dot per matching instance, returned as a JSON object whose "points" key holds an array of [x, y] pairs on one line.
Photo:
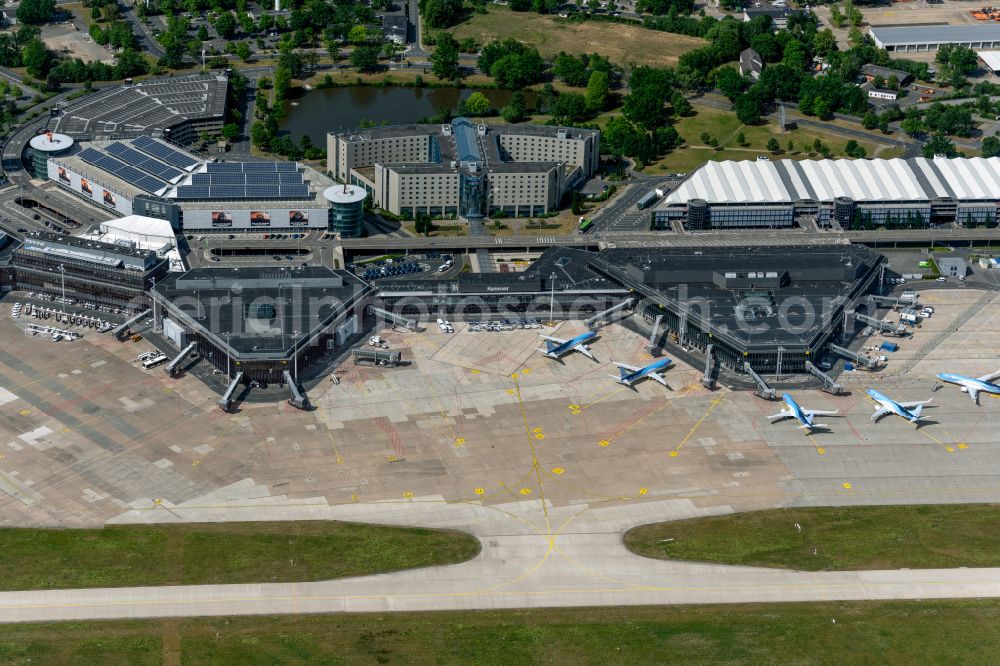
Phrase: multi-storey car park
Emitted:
{"points": [[178, 109], [461, 169], [152, 178], [764, 193]]}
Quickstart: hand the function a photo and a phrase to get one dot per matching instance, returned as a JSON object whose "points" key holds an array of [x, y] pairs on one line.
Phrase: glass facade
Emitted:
{"points": [[472, 195], [347, 219]]}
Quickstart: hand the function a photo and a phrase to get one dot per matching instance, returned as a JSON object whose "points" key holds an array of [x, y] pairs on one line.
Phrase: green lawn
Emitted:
{"points": [[833, 538], [724, 127], [926, 632], [191, 554]]}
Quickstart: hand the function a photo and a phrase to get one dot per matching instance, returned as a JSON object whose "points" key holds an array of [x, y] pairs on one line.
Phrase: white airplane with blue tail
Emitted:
{"points": [[802, 415], [906, 410], [630, 374], [556, 347], [972, 386]]}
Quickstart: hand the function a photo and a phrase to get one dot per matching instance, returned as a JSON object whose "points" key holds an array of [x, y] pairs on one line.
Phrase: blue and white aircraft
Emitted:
{"points": [[972, 386], [907, 410], [804, 416], [630, 374], [556, 347]]}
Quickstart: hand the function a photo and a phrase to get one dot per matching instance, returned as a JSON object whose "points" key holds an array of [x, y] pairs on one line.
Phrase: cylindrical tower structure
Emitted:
{"points": [[44, 146], [347, 209], [843, 210], [697, 217]]}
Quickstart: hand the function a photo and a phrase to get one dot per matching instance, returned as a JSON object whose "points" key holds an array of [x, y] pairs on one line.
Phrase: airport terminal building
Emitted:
{"points": [[153, 178], [776, 194], [463, 169]]}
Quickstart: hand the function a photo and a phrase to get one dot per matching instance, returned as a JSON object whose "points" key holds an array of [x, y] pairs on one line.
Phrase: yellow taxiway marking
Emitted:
{"points": [[694, 428], [339, 459], [579, 408], [819, 449]]}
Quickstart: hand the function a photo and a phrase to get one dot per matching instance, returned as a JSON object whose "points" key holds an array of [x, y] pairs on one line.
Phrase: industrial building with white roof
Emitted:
{"points": [[766, 193]]}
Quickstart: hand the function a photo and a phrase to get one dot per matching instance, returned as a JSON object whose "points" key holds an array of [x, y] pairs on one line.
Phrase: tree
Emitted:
{"points": [[365, 58], [571, 69], [35, 12], [260, 135], [854, 149], [423, 224], [569, 108], [772, 146], [36, 58], [912, 125], [991, 146], [444, 59], [230, 131], [645, 107], [242, 51], [729, 82], [939, 144], [225, 25], [795, 55], [741, 140], [681, 106], [516, 109], [477, 104], [824, 43], [869, 121], [597, 91], [790, 147], [282, 82], [749, 107], [440, 13], [518, 70]]}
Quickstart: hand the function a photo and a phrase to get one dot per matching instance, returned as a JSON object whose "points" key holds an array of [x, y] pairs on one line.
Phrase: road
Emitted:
{"points": [[560, 556]]}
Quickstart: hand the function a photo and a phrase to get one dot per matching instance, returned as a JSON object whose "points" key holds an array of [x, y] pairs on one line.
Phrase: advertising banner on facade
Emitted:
{"points": [[109, 199], [221, 218], [85, 186], [63, 176], [260, 218], [298, 218]]}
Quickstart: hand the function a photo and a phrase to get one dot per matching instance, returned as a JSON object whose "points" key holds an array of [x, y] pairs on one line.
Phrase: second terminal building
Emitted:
{"points": [[463, 169]]}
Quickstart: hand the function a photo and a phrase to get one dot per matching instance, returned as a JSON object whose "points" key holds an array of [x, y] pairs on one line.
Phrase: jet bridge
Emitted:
{"points": [[397, 320], [298, 399], [651, 346], [884, 327], [226, 401], [764, 390], [861, 359], [123, 329], [711, 368], [173, 366], [829, 385], [592, 321]]}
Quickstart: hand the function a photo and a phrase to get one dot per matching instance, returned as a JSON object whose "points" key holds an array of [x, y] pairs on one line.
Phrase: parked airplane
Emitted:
{"points": [[907, 410], [556, 347], [630, 374], [972, 386], [804, 416]]}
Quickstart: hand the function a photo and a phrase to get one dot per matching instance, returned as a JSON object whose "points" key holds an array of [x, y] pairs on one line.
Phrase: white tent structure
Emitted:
{"points": [[147, 233]]}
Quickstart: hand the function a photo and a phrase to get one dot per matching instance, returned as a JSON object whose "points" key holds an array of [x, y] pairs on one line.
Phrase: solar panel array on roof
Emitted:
{"points": [[141, 161], [253, 191], [262, 178], [119, 169], [163, 152], [256, 167]]}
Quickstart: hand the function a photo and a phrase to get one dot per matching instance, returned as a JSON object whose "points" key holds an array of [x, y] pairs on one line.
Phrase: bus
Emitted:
{"points": [[154, 360], [585, 225]]}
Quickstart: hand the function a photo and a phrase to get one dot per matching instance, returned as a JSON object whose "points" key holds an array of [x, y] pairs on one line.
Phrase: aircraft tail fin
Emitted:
{"points": [[623, 372], [916, 412], [549, 345]]}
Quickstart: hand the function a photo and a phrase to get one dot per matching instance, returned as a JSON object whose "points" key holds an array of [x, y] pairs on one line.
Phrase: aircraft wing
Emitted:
{"points": [[911, 405], [820, 412], [973, 393], [658, 377], [783, 414], [880, 412], [585, 350], [551, 339], [990, 377], [626, 366]]}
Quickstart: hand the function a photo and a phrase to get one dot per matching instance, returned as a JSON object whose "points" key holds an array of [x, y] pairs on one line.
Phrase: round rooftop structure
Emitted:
{"points": [[347, 209], [50, 142], [42, 147], [345, 194]]}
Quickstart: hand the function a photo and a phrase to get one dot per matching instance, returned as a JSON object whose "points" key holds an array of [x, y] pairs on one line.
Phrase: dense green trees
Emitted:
{"points": [[444, 59], [511, 63], [35, 12], [365, 58], [440, 13]]}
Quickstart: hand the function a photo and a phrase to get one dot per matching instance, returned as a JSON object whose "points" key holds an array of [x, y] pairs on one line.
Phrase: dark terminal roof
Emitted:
{"points": [[261, 309]]}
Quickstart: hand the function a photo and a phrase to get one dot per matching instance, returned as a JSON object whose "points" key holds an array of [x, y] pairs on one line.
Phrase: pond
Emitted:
{"points": [[327, 109]]}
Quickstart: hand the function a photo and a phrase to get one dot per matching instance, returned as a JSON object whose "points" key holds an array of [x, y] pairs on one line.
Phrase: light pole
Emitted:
{"points": [[229, 357], [62, 276], [552, 297]]}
